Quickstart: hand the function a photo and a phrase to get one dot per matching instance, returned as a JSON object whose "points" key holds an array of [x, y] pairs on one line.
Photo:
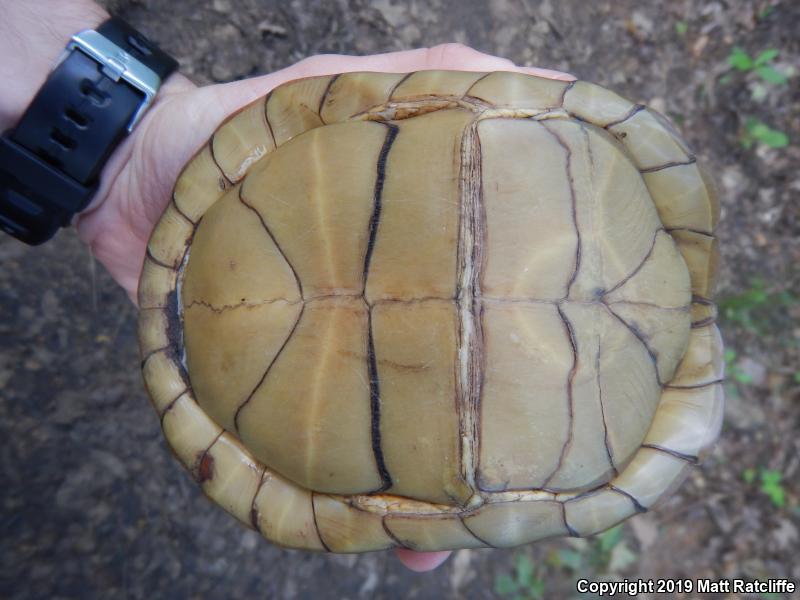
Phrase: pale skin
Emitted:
{"points": [[137, 182]]}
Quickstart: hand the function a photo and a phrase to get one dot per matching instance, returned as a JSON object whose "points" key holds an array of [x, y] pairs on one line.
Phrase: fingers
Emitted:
{"points": [[455, 57], [421, 561]]}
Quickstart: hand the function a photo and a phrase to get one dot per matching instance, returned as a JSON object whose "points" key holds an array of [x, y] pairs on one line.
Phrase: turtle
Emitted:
{"points": [[436, 310]]}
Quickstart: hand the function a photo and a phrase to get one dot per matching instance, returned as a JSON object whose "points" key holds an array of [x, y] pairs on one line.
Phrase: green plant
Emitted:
{"points": [[742, 61], [605, 553], [770, 484], [752, 307], [681, 27], [758, 131], [526, 584], [733, 370]]}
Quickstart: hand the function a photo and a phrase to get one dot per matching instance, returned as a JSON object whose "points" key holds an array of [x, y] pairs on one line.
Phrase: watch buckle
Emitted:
{"points": [[116, 64]]}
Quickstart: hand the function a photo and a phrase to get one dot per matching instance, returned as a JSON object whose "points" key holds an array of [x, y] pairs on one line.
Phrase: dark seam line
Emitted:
{"points": [[266, 118], [158, 262], [696, 386], [323, 98], [690, 230], [603, 410], [638, 268], [375, 411], [570, 400], [473, 534], [691, 160], [266, 372], [397, 85], [180, 212], [636, 108], [147, 356], [687, 457], [574, 206], [274, 241], [170, 404], [567, 526], [380, 177], [216, 162], [392, 536], [700, 300], [372, 364], [585, 494], [316, 525], [569, 86], [703, 322], [253, 509], [474, 83], [642, 340], [636, 504]]}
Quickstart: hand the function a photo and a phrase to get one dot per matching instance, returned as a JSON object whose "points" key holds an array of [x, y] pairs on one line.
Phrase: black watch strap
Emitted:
{"points": [[51, 161]]}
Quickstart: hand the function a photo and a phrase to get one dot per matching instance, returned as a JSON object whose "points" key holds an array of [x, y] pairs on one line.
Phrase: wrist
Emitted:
{"points": [[32, 37]]}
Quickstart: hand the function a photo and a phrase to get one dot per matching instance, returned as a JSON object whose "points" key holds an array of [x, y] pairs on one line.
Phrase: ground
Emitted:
{"points": [[93, 503]]}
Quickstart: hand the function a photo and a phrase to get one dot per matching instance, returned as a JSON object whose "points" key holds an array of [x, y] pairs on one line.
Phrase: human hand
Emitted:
{"points": [[138, 182]]}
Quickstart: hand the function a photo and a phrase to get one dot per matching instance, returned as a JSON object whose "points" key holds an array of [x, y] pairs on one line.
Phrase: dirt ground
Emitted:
{"points": [[94, 505]]}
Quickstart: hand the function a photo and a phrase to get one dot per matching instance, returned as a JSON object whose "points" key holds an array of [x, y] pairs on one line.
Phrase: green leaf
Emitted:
{"points": [[766, 135], [536, 589], [771, 486], [742, 377], [766, 56], [505, 585], [681, 27], [771, 75], [610, 538], [524, 570], [730, 355], [739, 59], [797, 377]]}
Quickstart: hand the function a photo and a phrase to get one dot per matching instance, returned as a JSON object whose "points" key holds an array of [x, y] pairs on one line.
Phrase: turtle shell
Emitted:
{"points": [[436, 310]]}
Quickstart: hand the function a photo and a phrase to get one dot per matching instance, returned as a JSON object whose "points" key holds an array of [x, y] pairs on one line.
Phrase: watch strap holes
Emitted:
{"points": [[62, 139], [80, 120], [97, 96]]}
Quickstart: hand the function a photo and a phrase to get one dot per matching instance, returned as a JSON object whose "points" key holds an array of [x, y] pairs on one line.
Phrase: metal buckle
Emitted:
{"points": [[117, 64]]}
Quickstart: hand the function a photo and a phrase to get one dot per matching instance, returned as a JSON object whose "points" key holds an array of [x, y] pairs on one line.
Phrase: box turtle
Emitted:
{"points": [[436, 310]]}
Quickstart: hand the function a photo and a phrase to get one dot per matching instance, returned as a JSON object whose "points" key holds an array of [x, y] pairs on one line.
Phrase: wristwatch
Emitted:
{"points": [[95, 95]]}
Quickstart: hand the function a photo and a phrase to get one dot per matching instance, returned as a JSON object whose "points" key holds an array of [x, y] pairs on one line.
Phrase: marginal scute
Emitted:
{"points": [[344, 528], [354, 93], [688, 420], [684, 197], [163, 379], [507, 524], [596, 104], [703, 312], [293, 108], [156, 284], [169, 239], [701, 254], [200, 184], [651, 475], [703, 362], [431, 532], [597, 511], [189, 430], [152, 329], [232, 477], [284, 514], [517, 90], [242, 140], [651, 140], [435, 83]]}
